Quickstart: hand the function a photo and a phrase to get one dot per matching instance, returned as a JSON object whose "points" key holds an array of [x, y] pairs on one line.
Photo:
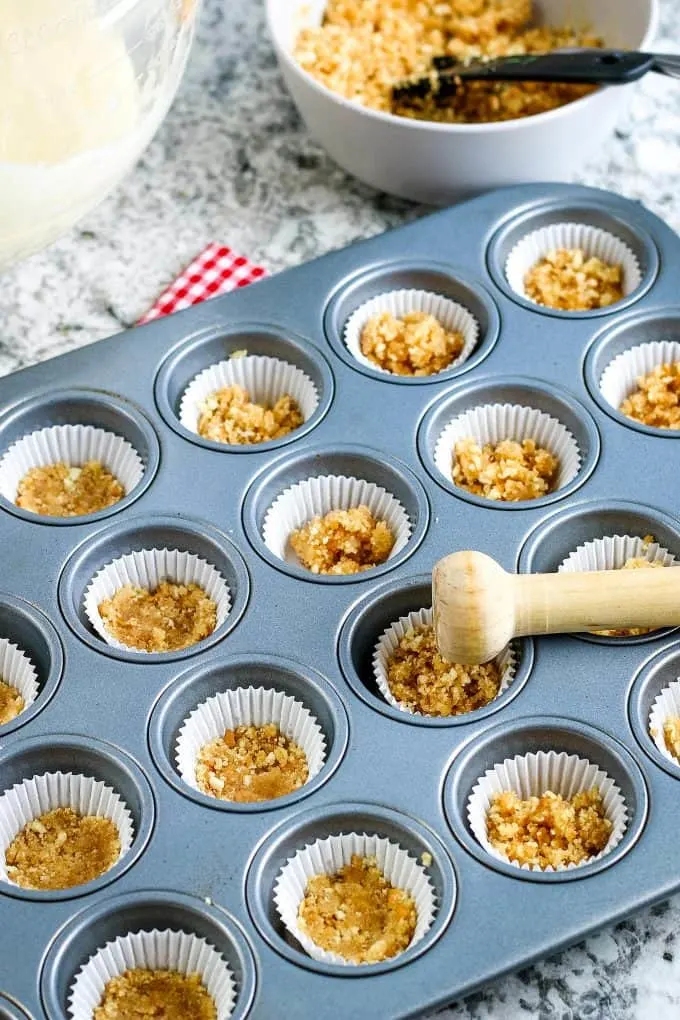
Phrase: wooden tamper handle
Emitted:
{"points": [[479, 607]]}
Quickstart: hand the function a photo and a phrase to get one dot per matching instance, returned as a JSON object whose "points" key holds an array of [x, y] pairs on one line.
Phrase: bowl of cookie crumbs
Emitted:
{"points": [[341, 60]]}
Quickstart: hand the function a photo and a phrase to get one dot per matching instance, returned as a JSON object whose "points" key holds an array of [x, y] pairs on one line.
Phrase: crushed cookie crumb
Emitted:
{"points": [[140, 993], [61, 849], [60, 490], [570, 280], [671, 735], [507, 471], [12, 703], [550, 830], [343, 542], [171, 616], [656, 401], [357, 913], [415, 345], [421, 679], [229, 416], [250, 764]]}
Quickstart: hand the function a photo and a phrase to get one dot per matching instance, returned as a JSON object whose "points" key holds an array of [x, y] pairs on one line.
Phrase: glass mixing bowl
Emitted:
{"points": [[84, 86]]}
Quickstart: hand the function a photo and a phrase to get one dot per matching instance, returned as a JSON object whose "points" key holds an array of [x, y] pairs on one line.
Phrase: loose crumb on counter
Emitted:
{"points": [[59, 490], [251, 763], [415, 345], [171, 616], [550, 830], [61, 849], [343, 542], [11, 702], [420, 679], [139, 993], [357, 913], [507, 471], [229, 416], [569, 280], [671, 735], [656, 401]]}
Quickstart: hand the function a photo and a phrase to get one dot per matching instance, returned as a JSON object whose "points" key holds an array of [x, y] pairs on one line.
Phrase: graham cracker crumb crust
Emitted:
{"points": [[11, 702], [656, 401], [414, 345], [671, 733], [569, 280], [250, 764], [61, 490], [229, 416], [507, 471], [343, 542], [141, 993], [170, 617], [62, 849]]}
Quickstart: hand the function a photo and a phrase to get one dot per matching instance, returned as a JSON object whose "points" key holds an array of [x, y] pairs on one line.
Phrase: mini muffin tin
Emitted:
{"points": [[208, 867]]}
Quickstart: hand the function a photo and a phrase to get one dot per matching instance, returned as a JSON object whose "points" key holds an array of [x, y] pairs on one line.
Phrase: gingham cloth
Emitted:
{"points": [[215, 271]]}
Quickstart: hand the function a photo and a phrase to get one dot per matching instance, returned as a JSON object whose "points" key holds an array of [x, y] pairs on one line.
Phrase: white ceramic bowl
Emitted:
{"points": [[439, 163]]}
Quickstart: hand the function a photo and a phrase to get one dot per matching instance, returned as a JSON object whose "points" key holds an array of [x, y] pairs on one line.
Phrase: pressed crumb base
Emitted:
{"points": [[11, 703], [357, 913], [61, 849], [656, 401], [633, 563], [229, 416], [251, 763], [139, 993], [507, 471], [570, 280], [416, 344], [343, 542], [59, 490], [671, 735], [171, 616], [548, 831], [419, 678]]}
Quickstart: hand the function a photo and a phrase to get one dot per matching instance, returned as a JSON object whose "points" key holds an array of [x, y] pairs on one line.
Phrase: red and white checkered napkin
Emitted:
{"points": [[216, 270]]}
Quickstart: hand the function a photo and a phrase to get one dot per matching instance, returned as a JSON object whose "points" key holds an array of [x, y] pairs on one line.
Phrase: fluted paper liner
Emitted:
{"points": [[532, 775], [327, 856], [146, 569], [612, 551], [666, 705], [17, 670], [265, 379], [73, 445], [451, 315], [152, 950], [35, 797], [387, 645], [316, 497], [620, 377], [492, 423], [248, 706], [593, 241]]}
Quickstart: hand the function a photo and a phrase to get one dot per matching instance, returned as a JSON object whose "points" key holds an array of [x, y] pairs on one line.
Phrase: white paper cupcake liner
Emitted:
{"points": [[449, 314], [592, 240], [266, 380], [146, 569], [387, 645], [492, 423], [152, 950], [327, 856], [17, 670], [316, 497], [248, 706], [612, 551], [620, 377], [73, 445], [35, 797], [666, 705], [532, 775]]}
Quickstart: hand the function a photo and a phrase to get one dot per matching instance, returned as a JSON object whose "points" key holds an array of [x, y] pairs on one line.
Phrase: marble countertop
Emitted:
{"points": [[233, 163]]}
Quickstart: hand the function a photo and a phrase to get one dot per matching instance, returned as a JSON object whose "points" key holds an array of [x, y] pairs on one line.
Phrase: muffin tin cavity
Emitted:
{"points": [[189, 359], [194, 687], [543, 733], [336, 819], [263, 520], [643, 339], [435, 279], [563, 532], [99, 410], [589, 214], [370, 618], [143, 533], [28, 630], [655, 676], [576, 432], [117, 916], [98, 760]]}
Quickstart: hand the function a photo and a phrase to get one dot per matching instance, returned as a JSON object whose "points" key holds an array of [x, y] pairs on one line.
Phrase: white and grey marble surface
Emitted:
{"points": [[234, 164]]}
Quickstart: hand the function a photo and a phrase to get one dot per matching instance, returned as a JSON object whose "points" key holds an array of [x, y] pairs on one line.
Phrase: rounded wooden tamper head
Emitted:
{"points": [[473, 607]]}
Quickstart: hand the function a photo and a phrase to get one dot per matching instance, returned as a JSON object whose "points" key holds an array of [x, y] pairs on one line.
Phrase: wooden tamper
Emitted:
{"points": [[479, 607]]}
